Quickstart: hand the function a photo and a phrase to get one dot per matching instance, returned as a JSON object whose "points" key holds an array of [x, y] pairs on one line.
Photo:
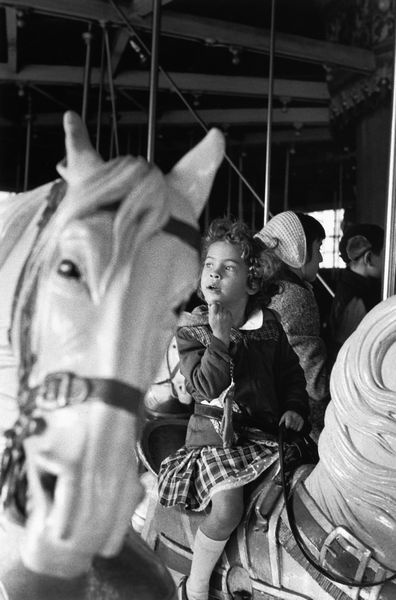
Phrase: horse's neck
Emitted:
{"points": [[19, 217], [354, 483]]}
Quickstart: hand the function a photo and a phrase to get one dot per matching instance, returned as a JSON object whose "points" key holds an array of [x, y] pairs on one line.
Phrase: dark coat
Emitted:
{"points": [[267, 374]]}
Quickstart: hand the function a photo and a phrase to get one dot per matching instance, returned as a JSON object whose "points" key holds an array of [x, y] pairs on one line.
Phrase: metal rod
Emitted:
{"points": [[388, 281], [229, 181], [28, 143], [253, 216], [153, 80], [269, 116], [100, 93], [327, 287], [287, 177], [111, 87], [87, 37], [37, 89], [240, 188]]}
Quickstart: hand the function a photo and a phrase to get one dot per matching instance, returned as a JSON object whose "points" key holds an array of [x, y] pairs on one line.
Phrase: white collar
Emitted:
{"points": [[255, 320]]}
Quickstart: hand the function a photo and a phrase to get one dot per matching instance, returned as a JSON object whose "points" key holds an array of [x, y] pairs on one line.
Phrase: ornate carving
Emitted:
{"points": [[367, 24]]}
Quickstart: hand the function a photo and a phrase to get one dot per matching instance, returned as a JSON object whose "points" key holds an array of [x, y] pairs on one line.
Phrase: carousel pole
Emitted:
{"points": [[388, 285], [100, 94], [87, 37], [287, 178], [112, 93], [28, 142], [153, 80], [240, 188], [269, 115], [229, 181]]}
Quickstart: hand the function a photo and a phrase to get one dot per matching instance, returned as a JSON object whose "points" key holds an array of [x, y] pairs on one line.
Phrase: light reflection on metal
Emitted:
{"points": [[87, 37], [240, 188], [269, 116], [153, 80], [100, 93], [388, 281], [28, 143], [287, 178], [112, 92]]}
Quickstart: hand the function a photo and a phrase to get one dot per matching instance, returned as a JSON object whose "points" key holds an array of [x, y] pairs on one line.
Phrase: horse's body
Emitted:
{"points": [[345, 506], [94, 312]]}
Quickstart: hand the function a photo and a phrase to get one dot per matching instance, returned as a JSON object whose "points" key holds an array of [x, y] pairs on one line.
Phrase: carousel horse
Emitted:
{"points": [[93, 271], [343, 508]]}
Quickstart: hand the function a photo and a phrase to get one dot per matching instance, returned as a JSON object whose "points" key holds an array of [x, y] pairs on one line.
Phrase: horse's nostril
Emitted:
{"points": [[48, 483]]}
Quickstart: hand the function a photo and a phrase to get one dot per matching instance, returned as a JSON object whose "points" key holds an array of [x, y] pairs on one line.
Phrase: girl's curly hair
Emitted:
{"points": [[263, 266]]}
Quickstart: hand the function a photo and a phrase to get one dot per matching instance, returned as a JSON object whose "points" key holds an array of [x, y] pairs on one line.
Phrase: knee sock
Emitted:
{"points": [[206, 553]]}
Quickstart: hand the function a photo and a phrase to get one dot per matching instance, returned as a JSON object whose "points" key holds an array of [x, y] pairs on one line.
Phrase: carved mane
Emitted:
{"points": [[355, 481]]}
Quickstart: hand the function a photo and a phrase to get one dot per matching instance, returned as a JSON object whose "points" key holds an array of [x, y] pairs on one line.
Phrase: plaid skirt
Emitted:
{"points": [[191, 476]]}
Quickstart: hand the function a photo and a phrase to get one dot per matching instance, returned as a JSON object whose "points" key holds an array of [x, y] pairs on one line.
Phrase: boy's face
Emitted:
{"points": [[224, 275], [310, 269]]}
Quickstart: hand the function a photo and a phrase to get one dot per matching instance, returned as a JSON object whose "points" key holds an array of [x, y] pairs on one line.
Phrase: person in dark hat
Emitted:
{"points": [[359, 287]]}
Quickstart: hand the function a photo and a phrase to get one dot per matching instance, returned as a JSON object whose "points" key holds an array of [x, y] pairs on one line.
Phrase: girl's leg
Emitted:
{"points": [[225, 515]]}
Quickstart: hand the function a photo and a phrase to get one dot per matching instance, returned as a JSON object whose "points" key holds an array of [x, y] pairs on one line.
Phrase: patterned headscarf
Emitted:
{"points": [[285, 235]]}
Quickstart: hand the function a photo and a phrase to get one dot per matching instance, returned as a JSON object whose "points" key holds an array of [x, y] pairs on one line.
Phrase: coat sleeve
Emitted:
{"points": [[207, 369], [300, 319], [290, 379]]}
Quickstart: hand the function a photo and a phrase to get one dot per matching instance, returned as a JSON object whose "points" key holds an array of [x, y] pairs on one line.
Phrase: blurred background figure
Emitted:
{"points": [[359, 286]]}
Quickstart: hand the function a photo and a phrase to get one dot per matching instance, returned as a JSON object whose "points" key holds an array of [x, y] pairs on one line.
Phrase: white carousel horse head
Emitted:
{"points": [[100, 299], [355, 481]]}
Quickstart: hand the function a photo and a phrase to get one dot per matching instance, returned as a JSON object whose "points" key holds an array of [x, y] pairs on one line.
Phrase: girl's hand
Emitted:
{"points": [[292, 420], [220, 321]]}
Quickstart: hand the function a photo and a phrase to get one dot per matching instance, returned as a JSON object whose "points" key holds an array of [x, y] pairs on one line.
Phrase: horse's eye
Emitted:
{"points": [[68, 269]]}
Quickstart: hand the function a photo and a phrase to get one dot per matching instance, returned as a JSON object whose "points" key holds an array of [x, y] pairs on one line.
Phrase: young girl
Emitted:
{"points": [[245, 381]]}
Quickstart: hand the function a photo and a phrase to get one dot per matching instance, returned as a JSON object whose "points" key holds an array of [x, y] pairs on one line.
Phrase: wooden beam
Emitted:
{"points": [[214, 31], [294, 47], [199, 83], [87, 10], [12, 39], [296, 117], [306, 135]]}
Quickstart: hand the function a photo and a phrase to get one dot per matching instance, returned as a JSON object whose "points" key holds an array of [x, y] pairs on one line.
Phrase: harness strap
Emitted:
{"points": [[187, 233], [62, 389], [337, 548]]}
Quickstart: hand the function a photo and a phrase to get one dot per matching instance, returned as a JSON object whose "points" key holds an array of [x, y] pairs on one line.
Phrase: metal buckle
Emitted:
{"points": [[62, 389], [351, 545]]}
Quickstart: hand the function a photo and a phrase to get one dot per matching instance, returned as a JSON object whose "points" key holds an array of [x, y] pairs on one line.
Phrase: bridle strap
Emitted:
{"points": [[62, 389], [182, 230]]}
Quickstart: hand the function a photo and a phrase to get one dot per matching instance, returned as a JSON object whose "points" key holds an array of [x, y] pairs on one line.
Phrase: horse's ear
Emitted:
{"points": [[193, 175], [80, 154]]}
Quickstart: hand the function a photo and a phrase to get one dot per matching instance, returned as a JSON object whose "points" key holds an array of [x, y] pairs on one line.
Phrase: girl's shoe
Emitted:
{"points": [[182, 589]]}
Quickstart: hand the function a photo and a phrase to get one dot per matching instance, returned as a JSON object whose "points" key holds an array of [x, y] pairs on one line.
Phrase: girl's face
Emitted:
{"points": [[311, 268], [224, 276]]}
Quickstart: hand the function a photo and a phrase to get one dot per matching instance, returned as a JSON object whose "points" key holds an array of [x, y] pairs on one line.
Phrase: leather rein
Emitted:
{"points": [[288, 498]]}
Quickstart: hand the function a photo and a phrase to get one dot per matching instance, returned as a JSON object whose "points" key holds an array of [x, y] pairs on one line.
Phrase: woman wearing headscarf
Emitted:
{"points": [[296, 240]]}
